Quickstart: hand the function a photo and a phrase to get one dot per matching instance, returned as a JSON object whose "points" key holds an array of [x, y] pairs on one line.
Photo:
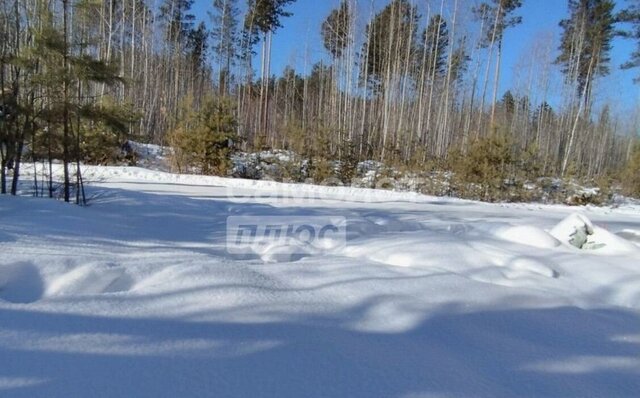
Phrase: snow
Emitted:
{"points": [[574, 230], [577, 230], [137, 295], [289, 166], [529, 235], [155, 157]]}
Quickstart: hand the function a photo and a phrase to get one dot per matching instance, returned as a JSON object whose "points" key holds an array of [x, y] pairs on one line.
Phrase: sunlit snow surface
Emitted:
{"points": [[137, 296]]}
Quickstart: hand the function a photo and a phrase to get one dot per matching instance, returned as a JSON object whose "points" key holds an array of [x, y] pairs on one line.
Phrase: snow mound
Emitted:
{"points": [[524, 266], [578, 231], [20, 283], [23, 282], [528, 235], [285, 253], [290, 250], [631, 235], [573, 230], [519, 272], [608, 243], [90, 279]]}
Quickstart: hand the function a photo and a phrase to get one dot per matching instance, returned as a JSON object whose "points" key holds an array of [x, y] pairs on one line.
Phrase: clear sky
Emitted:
{"points": [[299, 43]]}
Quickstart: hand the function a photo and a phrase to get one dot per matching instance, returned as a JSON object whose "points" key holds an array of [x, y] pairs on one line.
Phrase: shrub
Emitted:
{"points": [[631, 174], [482, 172], [321, 171], [203, 139], [101, 145], [348, 168], [495, 169]]}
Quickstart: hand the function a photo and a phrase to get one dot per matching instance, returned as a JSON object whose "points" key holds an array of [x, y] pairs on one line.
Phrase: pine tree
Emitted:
{"points": [[436, 39], [631, 15], [335, 30], [203, 138], [459, 61], [57, 67], [631, 173], [586, 43], [224, 32], [392, 32], [585, 54], [508, 102], [177, 19], [496, 17], [403, 98], [263, 18], [266, 14], [197, 47]]}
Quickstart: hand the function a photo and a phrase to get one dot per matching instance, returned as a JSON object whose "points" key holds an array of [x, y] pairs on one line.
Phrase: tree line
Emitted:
{"points": [[406, 85]]}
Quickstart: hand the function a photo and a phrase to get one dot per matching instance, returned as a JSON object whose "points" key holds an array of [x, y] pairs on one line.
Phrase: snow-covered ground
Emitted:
{"points": [[136, 295]]}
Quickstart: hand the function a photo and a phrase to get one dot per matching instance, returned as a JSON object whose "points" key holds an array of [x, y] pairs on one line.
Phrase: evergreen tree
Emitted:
{"points": [[265, 15], [61, 95], [392, 32], [224, 32], [57, 66], [543, 116], [335, 30], [436, 39], [508, 102], [203, 139], [459, 61], [197, 48], [177, 19], [496, 18], [631, 15], [586, 43], [263, 18], [631, 173], [585, 55]]}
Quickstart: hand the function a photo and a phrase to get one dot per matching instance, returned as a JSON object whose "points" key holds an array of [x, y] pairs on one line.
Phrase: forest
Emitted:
{"points": [[414, 88]]}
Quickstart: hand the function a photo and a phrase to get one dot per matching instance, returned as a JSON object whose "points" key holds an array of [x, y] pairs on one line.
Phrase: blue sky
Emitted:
{"points": [[299, 43]]}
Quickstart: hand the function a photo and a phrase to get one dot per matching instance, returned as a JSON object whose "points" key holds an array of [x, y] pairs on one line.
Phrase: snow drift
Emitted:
{"points": [[136, 295]]}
